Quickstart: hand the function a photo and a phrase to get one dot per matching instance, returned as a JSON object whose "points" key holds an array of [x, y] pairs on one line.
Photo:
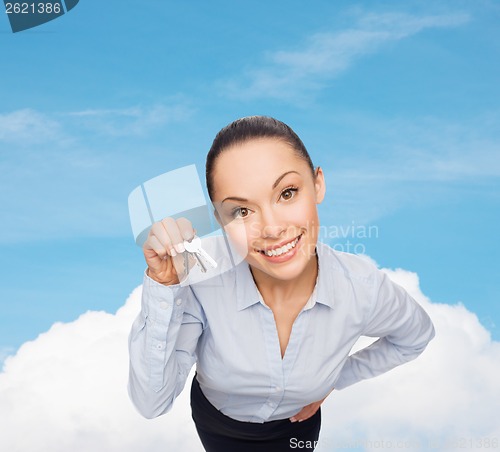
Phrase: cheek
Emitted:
{"points": [[303, 213], [239, 237], [312, 216]]}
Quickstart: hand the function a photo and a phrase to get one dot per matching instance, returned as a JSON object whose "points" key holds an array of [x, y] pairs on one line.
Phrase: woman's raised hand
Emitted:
{"points": [[164, 246]]}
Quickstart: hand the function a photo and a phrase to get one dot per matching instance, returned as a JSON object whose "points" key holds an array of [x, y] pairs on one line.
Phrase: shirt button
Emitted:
{"points": [[178, 302], [277, 388], [163, 305], [159, 346]]}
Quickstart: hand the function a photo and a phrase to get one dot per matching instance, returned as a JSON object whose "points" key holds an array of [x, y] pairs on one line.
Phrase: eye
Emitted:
{"points": [[240, 212], [288, 193]]}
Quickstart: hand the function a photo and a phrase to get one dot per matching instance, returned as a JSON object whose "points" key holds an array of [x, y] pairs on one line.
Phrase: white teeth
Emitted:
{"points": [[283, 249]]}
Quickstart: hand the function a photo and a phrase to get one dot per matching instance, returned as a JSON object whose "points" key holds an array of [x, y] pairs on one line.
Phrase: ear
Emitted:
{"points": [[319, 185]]}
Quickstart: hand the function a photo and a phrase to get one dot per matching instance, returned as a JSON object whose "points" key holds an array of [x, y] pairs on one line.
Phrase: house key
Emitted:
{"points": [[202, 257]]}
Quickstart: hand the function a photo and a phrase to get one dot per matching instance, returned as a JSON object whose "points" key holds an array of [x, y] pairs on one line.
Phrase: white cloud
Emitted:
{"points": [[430, 148], [5, 352], [66, 390], [288, 74], [29, 127], [131, 121], [401, 159]]}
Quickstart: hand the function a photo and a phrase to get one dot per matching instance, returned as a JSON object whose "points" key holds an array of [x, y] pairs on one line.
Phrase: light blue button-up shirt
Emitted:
{"points": [[225, 327]]}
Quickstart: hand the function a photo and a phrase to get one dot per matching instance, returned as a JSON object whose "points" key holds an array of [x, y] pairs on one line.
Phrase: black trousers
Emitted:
{"points": [[220, 433]]}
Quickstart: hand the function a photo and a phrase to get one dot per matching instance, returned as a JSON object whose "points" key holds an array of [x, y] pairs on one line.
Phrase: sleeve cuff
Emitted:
{"points": [[161, 301]]}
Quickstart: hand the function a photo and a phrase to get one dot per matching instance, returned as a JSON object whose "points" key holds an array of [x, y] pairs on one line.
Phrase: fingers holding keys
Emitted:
{"points": [[186, 229], [164, 243], [159, 236], [174, 235]]}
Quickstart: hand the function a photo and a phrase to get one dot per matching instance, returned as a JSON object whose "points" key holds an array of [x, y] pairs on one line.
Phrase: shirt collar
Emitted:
{"points": [[248, 294], [324, 289], [246, 291]]}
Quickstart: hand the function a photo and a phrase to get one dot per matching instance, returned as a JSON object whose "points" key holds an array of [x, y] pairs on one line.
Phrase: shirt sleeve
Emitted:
{"points": [[162, 346], [403, 327]]}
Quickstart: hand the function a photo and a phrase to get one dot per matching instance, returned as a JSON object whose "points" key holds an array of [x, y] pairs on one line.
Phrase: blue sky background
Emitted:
{"points": [[397, 101]]}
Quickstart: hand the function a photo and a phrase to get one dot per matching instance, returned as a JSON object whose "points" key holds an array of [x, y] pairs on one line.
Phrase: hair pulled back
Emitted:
{"points": [[248, 128]]}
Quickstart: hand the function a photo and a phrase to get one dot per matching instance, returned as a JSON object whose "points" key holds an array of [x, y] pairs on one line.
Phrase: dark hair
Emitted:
{"points": [[245, 129]]}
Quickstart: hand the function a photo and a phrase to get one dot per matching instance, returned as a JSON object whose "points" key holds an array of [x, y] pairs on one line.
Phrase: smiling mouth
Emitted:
{"points": [[282, 249]]}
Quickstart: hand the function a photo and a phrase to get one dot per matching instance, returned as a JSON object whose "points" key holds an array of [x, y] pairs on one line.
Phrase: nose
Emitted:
{"points": [[271, 224]]}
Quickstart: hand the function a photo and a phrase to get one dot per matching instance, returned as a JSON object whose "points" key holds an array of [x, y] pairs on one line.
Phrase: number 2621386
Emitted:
{"points": [[32, 8]]}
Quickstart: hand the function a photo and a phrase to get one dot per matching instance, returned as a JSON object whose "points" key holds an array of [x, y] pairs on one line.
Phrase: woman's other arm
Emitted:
{"points": [[404, 330]]}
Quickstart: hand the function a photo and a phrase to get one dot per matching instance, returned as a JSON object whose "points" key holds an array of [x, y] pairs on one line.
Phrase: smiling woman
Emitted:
{"points": [[273, 219], [271, 339]]}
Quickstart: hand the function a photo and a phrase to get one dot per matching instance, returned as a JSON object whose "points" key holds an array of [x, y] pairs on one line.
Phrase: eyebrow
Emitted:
{"points": [[236, 198]]}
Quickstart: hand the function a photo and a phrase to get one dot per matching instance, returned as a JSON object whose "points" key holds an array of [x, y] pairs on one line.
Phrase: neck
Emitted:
{"points": [[282, 292]]}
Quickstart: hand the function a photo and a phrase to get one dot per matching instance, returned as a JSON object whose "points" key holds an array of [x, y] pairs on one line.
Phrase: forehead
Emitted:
{"points": [[252, 166]]}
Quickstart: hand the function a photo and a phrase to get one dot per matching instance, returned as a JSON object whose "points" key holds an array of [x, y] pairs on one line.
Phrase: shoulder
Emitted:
{"points": [[356, 268]]}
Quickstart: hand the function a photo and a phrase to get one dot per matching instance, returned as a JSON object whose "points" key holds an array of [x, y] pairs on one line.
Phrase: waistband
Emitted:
{"points": [[210, 419]]}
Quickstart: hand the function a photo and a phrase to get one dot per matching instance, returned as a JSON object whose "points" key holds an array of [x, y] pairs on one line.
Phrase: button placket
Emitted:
{"points": [[275, 364], [296, 337]]}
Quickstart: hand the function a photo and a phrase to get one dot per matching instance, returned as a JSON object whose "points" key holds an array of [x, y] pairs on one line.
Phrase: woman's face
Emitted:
{"points": [[265, 197]]}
